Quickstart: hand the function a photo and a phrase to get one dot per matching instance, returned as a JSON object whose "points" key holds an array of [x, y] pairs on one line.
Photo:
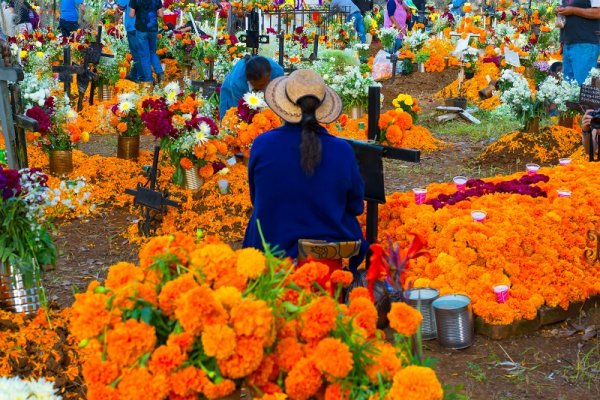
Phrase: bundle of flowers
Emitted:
{"points": [[353, 87], [349, 128], [558, 92], [388, 37], [469, 58], [439, 51], [518, 95], [397, 129], [415, 40], [57, 129], [126, 117], [407, 103], [200, 318], [534, 245], [39, 351], [242, 124]]}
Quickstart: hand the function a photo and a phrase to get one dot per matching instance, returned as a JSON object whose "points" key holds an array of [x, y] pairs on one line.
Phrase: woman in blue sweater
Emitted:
{"points": [[304, 182]]}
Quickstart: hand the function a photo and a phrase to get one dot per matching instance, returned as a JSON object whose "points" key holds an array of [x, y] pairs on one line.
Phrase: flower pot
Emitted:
{"points": [[457, 102], [61, 162], [192, 179], [105, 93], [356, 112], [128, 147], [13, 294], [565, 121], [533, 125]]}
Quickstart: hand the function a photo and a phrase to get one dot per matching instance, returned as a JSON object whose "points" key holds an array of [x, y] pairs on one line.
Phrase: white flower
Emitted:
{"points": [[125, 107], [255, 100], [201, 135], [173, 87]]}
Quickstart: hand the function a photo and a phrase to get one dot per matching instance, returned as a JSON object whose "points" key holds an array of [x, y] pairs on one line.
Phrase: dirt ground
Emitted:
{"points": [[553, 363]]}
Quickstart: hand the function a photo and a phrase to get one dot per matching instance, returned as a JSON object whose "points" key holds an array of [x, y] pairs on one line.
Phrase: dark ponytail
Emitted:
{"points": [[310, 144]]}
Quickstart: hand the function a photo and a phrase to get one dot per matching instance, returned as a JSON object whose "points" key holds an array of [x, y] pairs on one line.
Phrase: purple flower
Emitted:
{"points": [[42, 118], [10, 185]]}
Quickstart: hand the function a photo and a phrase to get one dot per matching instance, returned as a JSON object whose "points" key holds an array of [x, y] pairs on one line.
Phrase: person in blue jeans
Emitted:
{"points": [[129, 22], [69, 16], [250, 73], [457, 7], [353, 15], [580, 37], [146, 13]]}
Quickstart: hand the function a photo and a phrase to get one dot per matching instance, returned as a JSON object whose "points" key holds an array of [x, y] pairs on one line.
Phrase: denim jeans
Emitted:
{"points": [[135, 72], [359, 25], [147, 54], [579, 59], [67, 27]]}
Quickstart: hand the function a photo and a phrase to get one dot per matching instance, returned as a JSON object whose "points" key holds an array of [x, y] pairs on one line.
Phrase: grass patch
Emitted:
{"points": [[475, 372], [586, 368], [492, 126]]}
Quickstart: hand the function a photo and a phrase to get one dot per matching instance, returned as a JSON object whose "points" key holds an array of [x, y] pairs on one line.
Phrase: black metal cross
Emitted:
{"points": [[87, 74], [66, 70]]}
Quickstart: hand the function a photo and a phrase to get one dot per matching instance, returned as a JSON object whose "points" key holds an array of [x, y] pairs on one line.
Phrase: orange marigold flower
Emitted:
{"points": [[213, 261], [122, 127], [319, 318], [98, 391], [218, 341], [165, 359], [287, 328], [309, 273], [246, 359], [219, 390], [288, 353], [138, 383], [338, 362], [183, 340], [186, 163], [188, 381], [404, 319], [250, 263], [343, 278], [128, 341], [89, 315], [365, 315], [198, 308], [206, 171], [416, 383], [335, 392], [271, 396], [266, 371], [385, 364], [173, 290], [96, 371], [359, 291], [303, 381], [252, 318], [229, 296]]}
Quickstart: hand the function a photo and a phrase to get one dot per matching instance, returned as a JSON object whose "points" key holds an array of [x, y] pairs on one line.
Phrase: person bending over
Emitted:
{"points": [[249, 74], [304, 183]]}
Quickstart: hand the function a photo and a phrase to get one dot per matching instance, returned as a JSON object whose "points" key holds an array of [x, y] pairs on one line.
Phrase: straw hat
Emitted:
{"points": [[283, 93]]}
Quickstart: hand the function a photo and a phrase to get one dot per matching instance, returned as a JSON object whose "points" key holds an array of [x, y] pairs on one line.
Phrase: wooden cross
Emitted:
{"points": [[370, 157], [66, 70], [14, 123]]}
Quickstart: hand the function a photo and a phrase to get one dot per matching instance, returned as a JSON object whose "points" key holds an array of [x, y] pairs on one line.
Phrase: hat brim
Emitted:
{"points": [[276, 97]]}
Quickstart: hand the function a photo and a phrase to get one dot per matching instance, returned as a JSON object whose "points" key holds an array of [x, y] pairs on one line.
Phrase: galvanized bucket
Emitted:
{"points": [[13, 294], [454, 320], [422, 299]]}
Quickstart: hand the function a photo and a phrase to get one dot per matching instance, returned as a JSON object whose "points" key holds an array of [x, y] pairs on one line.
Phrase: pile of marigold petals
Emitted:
{"points": [[535, 245], [200, 318], [471, 87], [33, 347], [548, 145]]}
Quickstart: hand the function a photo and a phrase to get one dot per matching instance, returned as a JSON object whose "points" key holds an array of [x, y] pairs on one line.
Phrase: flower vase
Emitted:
{"points": [[356, 112], [13, 294], [128, 147], [192, 179], [61, 162], [105, 93], [421, 67], [533, 125], [565, 121]]}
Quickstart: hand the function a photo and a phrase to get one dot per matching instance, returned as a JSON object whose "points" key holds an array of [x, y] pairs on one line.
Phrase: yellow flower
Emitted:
{"points": [[23, 54], [40, 54], [250, 263], [85, 136]]}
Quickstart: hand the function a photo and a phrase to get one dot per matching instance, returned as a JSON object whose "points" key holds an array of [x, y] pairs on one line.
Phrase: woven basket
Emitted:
{"points": [[192, 179]]}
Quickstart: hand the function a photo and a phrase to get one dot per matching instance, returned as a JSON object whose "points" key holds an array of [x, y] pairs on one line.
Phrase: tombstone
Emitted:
{"points": [[14, 123]]}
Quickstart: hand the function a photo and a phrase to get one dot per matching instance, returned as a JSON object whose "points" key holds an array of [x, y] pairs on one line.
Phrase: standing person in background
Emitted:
{"points": [[22, 21], [395, 15], [146, 26], [69, 16], [457, 7], [353, 15], [580, 37], [134, 47]]}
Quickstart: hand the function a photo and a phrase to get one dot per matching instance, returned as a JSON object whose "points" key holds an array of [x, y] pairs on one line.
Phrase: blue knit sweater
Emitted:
{"points": [[291, 205]]}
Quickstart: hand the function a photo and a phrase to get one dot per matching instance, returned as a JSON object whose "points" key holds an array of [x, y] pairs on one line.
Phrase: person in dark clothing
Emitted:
{"points": [[146, 26], [69, 16], [304, 183]]}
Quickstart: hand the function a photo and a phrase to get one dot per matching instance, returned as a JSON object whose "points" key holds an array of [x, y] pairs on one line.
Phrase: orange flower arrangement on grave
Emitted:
{"points": [[397, 129], [200, 318], [242, 124], [534, 245], [471, 87]]}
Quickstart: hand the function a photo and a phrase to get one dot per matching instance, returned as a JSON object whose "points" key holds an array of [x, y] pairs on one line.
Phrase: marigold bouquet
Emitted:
{"points": [[407, 103], [126, 118], [56, 125], [242, 124]]}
